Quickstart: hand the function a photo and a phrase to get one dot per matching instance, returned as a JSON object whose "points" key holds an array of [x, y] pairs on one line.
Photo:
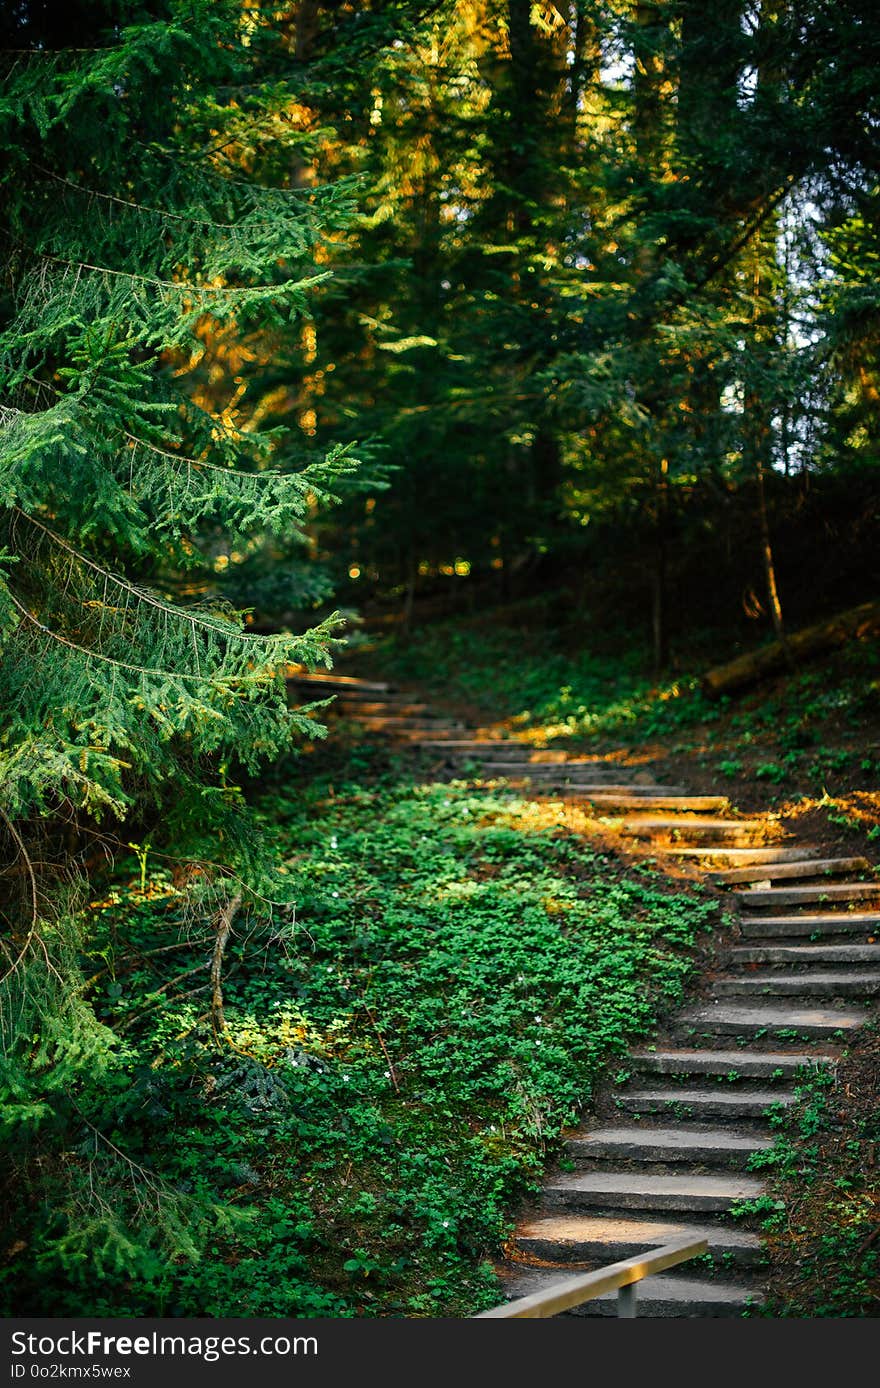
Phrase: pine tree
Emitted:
{"points": [[121, 251], [131, 692]]}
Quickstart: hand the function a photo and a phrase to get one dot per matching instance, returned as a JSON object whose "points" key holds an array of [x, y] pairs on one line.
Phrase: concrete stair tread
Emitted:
{"points": [[646, 1190], [392, 699], [806, 954], [758, 1064], [584, 789], [748, 855], [694, 822], [766, 1016], [608, 800], [693, 828], [646, 1233], [805, 867], [680, 1140], [371, 709], [605, 779], [541, 780], [342, 682], [580, 779], [491, 744], [417, 724], [663, 1295], [822, 922], [754, 1102], [808, 983], [794, 896], [807, 976], [455, 751], [412, 736], [536, 764]]}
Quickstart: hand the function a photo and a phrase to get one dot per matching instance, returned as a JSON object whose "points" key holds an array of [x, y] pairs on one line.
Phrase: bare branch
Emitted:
{"points": [[225, 918]]}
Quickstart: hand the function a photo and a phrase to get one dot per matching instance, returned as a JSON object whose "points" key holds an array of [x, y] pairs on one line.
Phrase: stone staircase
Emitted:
{"points": [[669, 1152]]}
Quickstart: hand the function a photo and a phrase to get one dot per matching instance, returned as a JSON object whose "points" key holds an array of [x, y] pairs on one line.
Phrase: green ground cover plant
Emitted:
{"points": [[528, 673], [821, 1206], [402, 1053], [813, 729], [544, 681]]}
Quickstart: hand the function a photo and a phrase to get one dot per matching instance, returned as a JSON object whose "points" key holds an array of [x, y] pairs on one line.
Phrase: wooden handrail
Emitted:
{"points": [[616, 1277]]}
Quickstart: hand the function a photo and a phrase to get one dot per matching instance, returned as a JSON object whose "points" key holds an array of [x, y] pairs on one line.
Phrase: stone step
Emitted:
{"points": [[805, 954], [639, 793], [393, 699], [549, 771], [582, 790], [643, 1190], [746, 855], [809, 984], [764, 1065], [821, 923], [693, 828], [604, 1239], [523, 755], [807, 867], [730, 1019], [716, 1146], [347, 683], [592, 772], [669, 1297], [355, 707], [803, 896], [407, 724], [677, 1297], [413, 737], [494, 747], [546, 786], [615, 801], [696, 1103]]}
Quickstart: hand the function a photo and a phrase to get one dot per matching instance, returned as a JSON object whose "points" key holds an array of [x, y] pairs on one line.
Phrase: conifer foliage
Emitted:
{"points": [[119, 246], [130, 231]]}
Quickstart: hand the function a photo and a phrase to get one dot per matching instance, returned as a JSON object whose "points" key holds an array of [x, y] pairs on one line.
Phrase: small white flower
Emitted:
{"points": [[346, 1078], [446, 1224], [334, 893]]}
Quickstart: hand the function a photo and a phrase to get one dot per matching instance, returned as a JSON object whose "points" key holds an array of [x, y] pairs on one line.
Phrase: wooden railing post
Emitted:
{"points": [[627, 1300]]}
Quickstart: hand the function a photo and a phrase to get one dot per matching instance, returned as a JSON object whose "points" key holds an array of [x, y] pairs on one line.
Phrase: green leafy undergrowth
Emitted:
{"points": [[805, 732], [544, 688], [402, 1054], [821, 1225]]}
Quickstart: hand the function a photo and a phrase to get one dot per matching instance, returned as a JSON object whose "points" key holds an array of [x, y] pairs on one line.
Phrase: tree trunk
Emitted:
{"points": [[651, 146], [659, 604], [855, 623], [410, 592], [767, 554]]}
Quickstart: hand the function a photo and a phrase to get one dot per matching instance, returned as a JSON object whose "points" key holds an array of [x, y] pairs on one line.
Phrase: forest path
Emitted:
{"points": [[673, 1149]]}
